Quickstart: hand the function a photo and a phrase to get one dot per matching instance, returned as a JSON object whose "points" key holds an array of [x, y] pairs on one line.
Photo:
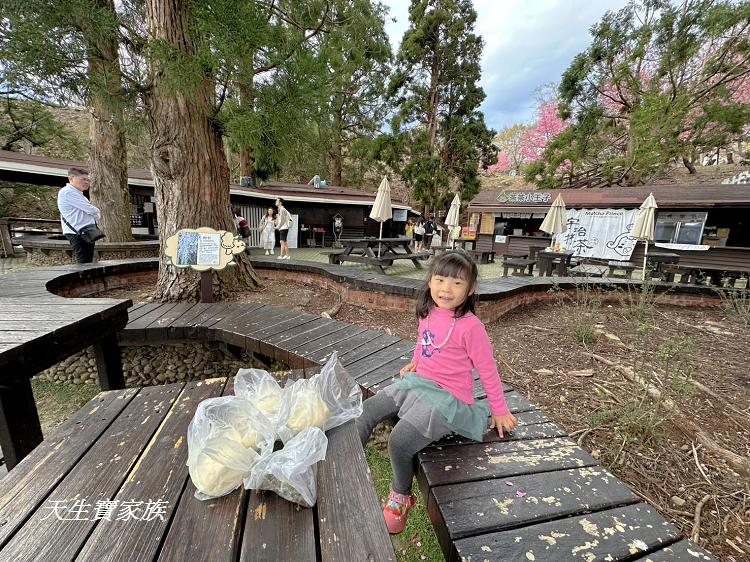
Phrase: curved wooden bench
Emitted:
{"points": [[472, 489]]}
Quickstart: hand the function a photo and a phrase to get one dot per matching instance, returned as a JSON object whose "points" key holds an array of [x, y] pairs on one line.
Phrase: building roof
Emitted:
{"points": [[36, 165], [667, 196]]}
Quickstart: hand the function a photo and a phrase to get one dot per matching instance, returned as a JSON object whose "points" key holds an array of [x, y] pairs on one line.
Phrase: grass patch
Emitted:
{"points": [[56, 402], [418, 541]]}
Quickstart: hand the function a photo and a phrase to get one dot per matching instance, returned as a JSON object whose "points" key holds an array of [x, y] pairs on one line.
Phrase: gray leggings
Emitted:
{"points": [[403, 444]]}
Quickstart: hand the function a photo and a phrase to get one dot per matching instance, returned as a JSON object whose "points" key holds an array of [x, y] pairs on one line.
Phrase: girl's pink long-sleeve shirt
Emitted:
{"points": [[451, 365]]}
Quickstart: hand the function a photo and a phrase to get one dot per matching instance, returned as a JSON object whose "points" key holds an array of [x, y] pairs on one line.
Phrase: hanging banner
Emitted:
{"points": [[599, 233]]}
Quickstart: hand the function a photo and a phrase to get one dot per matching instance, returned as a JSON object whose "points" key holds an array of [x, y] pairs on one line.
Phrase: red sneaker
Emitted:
{"points": [[396, 511]]}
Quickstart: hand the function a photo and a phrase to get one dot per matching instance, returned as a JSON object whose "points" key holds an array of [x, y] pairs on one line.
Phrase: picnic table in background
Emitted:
{"points": [[549, 260], [365, 250]]}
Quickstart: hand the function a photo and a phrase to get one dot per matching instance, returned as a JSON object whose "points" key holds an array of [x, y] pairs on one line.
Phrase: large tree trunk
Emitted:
{"points": [[336, 152], [688, 164], [190, 170], [108, 153], [247, 153], [432, 115]]}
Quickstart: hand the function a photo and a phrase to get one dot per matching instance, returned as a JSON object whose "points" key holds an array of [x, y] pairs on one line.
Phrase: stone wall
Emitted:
{"points": [[156, 364]]}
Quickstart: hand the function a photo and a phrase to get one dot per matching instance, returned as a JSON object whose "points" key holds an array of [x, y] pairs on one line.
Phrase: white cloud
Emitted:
{"points": [[528, 44]]}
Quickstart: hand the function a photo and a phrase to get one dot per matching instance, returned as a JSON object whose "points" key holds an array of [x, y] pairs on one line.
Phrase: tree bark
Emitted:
{"points": [[432, 115], [191, 175], [688, 164], [108, 153], [336, 152], [247, 153]]}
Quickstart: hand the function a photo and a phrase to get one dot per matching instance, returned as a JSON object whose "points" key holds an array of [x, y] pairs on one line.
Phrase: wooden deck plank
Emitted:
{"points": [[472, 508], [160, 328], [205, 522], [149, 480], [524, 432], [679, 552], [142, 322], [346, 494], [385, 355], [231, 329], [46, 538], [282, 342], [371, 347], [276, 529], [23, 489], [615, 534], [136, 313], [326, 345], [502, 460]]}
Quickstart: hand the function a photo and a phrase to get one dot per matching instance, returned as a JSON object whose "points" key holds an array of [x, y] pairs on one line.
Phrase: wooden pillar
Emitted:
{"points": [[20, 430], [109, 363], [6, 243]]}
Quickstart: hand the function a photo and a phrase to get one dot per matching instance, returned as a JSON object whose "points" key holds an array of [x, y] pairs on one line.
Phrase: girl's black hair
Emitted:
{"points": [[455, 263]]}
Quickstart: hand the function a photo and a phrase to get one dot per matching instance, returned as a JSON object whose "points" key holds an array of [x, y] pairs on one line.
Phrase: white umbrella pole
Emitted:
{"points": [[381, 235], [645, 256]]}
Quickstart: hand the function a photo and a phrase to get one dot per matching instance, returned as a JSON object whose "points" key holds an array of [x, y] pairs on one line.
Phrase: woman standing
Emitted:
{"points": [[267, 229], [418, 236]]}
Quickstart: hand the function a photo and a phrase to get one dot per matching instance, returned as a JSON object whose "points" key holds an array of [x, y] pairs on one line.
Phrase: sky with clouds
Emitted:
{"points": [[527, 44]]}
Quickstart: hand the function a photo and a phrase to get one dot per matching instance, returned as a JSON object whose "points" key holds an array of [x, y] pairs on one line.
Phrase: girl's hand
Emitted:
{"points": [[506, 421], [410, 368]]}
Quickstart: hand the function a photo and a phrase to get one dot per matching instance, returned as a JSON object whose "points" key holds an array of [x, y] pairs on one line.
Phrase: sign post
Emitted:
{"points": [[205, 250]]}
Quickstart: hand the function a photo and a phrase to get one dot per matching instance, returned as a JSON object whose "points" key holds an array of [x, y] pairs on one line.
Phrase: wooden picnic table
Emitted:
{"points": [[546, 260], [378, 252], [111, 484]]}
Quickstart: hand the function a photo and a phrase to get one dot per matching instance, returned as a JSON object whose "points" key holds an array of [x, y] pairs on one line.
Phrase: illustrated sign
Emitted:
{"points": [[523, 197], [599, 233], [203, 249]]}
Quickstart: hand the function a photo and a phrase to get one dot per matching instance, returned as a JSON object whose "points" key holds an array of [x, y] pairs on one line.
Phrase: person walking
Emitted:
{"points": [[76, 212], [267, 230], [283, 223]]}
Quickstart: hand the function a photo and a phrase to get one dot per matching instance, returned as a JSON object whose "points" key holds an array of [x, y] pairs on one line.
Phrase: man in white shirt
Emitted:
{"points": [[283, 222], [78, 212]]}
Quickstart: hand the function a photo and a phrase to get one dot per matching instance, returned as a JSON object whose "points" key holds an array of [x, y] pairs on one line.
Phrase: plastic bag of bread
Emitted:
{"points": [[291, 472], [325, 400], [226, 438], [261, 389]]}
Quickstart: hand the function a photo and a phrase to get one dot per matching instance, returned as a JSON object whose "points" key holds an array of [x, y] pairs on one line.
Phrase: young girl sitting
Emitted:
{"points": [[434, 396]]}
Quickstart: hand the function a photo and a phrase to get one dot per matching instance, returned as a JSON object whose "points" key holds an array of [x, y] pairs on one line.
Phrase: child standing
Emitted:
{"points": [[418, 236], [434, 395]]}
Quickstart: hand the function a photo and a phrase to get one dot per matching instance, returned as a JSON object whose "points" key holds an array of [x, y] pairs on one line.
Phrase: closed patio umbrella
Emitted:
{"points": [[451, 221], [556, 219], [381, 210], [643, 229]]}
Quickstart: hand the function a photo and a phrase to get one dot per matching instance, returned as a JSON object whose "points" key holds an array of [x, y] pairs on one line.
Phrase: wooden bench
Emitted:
{"points": [[37, 332], [588, 270], [621, 269], [484, 249], [473, 509], [139, 436]]}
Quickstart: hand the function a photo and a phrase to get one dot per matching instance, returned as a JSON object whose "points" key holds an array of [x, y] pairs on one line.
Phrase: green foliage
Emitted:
{"points": [[658, 82], [638, 302], [579, 310], [736, 304], [29, 123], [418, 527], [31, 201], [439, 136]]}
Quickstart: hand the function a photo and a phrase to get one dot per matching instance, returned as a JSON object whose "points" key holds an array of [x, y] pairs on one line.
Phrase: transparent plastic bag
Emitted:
{"points": [[226, 438], [291, 472], [325, 400], [261, 389]]}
